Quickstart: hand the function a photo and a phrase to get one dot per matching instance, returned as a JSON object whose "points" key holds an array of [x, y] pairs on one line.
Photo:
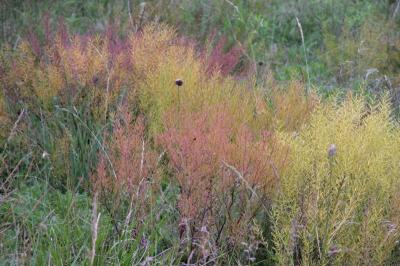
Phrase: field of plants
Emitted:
{"points": [[209, 132]]}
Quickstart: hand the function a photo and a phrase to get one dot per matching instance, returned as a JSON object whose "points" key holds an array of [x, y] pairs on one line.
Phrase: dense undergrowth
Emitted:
{"points": [[142, 147]]}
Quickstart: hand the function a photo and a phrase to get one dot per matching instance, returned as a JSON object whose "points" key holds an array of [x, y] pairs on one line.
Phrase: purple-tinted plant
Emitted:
{"points": [[223, 61]]}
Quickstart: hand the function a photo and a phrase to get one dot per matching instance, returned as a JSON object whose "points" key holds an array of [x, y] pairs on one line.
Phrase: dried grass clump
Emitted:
{"points": [[336, 204]]}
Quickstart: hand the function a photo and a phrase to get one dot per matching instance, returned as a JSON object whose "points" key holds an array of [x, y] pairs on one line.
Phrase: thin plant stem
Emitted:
{"points": [[305, 55]]}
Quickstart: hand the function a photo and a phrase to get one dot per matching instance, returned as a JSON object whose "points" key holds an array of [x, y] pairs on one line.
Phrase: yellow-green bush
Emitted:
{"points": [[292, 108], [159, 58], [338, 195]]}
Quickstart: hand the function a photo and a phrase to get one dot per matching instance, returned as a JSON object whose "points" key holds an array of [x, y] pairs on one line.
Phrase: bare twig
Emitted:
{"points": [[241, 177], [14, 128], [107, 92]]}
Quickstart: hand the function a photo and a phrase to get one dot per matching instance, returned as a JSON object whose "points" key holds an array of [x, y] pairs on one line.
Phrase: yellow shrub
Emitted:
{"points": [[20, 76], [336, 199], [292, 107], [26, 80], [159, 59]]}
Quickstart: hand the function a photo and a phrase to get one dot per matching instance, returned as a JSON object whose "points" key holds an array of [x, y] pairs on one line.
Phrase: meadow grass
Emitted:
{"points": [[129, 143]]}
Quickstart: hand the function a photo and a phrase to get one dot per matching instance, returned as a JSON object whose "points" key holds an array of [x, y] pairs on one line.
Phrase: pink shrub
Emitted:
{"points": [[220, 60], [225, 174], [127, 165], [196, 145]]}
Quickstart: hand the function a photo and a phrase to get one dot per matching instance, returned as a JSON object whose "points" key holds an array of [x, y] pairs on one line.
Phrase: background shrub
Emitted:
{"points": [[335, 199]]}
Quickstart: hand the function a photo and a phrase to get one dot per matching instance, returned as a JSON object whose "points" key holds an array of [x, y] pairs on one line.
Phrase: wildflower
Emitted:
{"points": [[204, 229], [334, 250], [332, 150], [144, 242], [179, 82]]}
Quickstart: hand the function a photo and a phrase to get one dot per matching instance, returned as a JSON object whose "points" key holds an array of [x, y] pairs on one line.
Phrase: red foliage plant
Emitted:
{"points": [[74, 68], [225, 174], [128, 164], [196, 146], [222, 60]]}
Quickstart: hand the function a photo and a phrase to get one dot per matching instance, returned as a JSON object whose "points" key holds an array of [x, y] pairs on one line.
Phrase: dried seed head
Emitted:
{"points": [[261, 63], [95, 80], [332, 150], [179, 82]]}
